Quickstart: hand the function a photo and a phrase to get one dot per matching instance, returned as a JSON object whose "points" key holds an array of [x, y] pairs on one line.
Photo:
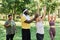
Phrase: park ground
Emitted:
{"points": [[18, 35]]}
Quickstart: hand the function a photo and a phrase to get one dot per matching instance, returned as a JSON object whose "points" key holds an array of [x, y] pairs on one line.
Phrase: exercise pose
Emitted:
{"points": [[39, 25], [51, 20]]}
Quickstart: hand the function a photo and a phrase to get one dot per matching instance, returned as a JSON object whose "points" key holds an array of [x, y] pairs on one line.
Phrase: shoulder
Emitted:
{"points": [[13, 21], [23, 17], [6, 21]]}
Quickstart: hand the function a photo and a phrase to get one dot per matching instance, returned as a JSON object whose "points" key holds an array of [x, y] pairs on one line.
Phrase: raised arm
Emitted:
{"points": [[43, 16], [54, 17], [23, 19]]}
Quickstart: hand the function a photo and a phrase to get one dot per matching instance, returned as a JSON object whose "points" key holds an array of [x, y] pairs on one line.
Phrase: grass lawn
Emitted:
{"points": [[18, 35]]}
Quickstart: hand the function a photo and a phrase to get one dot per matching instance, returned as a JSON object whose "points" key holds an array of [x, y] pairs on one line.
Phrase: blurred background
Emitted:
{"points": [[16, 7]]}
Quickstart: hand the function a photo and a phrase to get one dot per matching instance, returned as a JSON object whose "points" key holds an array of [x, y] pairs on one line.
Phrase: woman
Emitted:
{"points": [[51, 20], [40, 26], [10, 28]]}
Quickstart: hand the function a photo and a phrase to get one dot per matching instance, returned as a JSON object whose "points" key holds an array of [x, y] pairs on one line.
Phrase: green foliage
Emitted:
{"points": [[17, 6], [51, 6], [26, 1]]}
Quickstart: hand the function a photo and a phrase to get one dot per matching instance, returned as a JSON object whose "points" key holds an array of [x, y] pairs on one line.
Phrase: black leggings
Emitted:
{"points": [[39, 36], [26, 34], [10, 37]]}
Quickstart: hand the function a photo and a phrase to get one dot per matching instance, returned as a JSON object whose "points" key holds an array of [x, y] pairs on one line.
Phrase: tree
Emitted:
{"points": [[14, 6], [51, 5]]}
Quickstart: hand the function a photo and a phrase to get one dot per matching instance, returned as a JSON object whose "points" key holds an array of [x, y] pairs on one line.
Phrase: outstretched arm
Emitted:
{"points": [[29, 21]]}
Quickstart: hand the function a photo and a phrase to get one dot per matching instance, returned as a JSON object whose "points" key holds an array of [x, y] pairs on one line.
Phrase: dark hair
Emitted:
{"points": [[9, 15], [36, 15], [41, 16]]}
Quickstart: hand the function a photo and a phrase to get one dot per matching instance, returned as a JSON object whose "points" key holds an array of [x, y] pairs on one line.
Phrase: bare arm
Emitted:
{"points": [[54, 17], [29, 21], [6, 25], [43, 17]]}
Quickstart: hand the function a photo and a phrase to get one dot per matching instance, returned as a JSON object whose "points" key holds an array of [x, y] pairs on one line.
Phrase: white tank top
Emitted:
{"points": [[40, 27]]}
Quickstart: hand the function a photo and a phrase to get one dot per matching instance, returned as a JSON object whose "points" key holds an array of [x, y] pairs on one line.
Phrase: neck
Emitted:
{"points": [[9, 19]]}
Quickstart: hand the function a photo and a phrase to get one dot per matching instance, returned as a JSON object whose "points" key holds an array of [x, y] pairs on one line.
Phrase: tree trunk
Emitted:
{"points": [[14, 12], [6, 16], [58, 13], [13, 16]]}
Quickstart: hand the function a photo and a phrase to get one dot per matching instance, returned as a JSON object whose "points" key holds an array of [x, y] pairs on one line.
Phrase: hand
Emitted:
{"points": [[44, 8], [9, 25]]}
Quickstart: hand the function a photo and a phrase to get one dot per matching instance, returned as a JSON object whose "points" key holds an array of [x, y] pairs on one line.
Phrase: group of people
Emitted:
{"points": [[25, 23]]}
